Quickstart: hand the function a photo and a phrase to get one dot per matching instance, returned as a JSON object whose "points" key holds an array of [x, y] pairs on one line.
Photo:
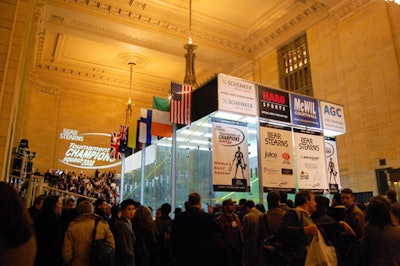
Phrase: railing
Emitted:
{"points": [[30, 188]]}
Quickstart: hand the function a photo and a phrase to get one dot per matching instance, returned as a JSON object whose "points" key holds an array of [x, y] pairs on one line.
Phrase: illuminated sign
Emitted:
{"points": [[85, 150]]}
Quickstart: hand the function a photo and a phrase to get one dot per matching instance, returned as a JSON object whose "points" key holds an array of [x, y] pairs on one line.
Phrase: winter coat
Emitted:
{"points": [[78, 238]]}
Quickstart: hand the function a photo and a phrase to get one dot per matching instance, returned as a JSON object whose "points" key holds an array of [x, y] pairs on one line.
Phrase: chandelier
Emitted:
{"points": [[190, 56]]}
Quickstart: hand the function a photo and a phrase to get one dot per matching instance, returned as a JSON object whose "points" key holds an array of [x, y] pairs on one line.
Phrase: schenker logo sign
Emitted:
{"points": [[83, 150]]}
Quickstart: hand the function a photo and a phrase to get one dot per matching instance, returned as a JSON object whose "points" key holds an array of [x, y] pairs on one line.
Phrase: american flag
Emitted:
{"points": [[115, 146], [181, 103]]}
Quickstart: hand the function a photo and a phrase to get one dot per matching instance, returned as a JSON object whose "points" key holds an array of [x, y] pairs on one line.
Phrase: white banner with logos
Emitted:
{"points": [[310, 161], [276, 158], [332, 116], [236, 95], [230, 158]]}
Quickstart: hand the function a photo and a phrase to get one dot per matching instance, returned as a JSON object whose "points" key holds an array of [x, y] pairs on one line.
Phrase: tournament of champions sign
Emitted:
{"points": [[310, 160], [230, 158], [83, 150], [276, 158]]}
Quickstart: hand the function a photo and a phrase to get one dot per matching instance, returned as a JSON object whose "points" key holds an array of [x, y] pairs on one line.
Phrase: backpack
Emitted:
{"points": [[101, 253]]}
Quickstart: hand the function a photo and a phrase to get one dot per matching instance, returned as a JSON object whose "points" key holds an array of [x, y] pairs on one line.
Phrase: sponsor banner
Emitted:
{"points": [[236, 95], [230, 158], [310, 161], [332, 163], [332, 116], [273, 104], [305, 111], [276, 158], [86, 150]]}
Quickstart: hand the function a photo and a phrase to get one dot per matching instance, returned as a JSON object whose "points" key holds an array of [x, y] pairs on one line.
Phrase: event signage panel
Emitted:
{"points": [[276, 158], [305, 111], [236, 95], [332, 163], [310, 160], [83, 150], [273, 104], [332, 116], [230, 157]]}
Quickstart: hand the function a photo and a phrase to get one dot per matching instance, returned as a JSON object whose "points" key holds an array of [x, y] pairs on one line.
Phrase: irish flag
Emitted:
{"points": [[160, 124]]}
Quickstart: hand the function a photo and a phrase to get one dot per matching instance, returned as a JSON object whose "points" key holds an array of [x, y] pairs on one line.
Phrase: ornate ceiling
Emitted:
{"points": [[90, 42]]}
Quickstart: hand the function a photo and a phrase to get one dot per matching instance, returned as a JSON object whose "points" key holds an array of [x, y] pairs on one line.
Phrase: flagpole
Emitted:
{"points": [[128, 115], [142, 172], [121, 197], [173, 167]]}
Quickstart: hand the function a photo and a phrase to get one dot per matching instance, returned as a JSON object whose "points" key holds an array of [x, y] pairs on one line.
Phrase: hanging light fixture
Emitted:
{"points": [[129, 107], [190, 56]]}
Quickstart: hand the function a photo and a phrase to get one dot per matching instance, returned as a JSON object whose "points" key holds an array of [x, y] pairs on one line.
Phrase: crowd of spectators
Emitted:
{"points": [[226, 234], [101, 185]]}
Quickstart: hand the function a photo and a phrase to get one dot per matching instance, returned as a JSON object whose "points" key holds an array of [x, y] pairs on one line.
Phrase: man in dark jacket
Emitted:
{"points": [[194, 236], [231, 235], [124, 236]]}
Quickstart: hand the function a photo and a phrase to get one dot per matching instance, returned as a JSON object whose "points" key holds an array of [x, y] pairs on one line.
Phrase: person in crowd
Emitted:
{"points": [[353, 215], [241, 209], [146, 248], [290, 203], [124, 236], [380, 244], [115, 214], [231, 235], [158, 213], [336, 210], [69, 213], [177, 211], [284, 201], [332, 228], [49, 233], [252, 254], [100, 208], [194, 235], [78, 237], [356, 219], [164, 227], [394, 205], [260, 207], [17, 233], [269, 222], [35, 209], [297, 228]]}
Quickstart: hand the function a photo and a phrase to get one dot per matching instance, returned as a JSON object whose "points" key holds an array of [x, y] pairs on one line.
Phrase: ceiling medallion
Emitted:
{"points": [[139, 60]]}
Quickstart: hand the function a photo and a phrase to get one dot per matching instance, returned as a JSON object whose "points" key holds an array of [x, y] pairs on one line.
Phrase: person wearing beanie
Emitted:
{"points": [[78, 237]]}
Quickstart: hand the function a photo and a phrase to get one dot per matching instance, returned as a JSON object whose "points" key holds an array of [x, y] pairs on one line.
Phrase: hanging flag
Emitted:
{"points": [[123, 140], [181, 103], [132, 133], [160, 124], [145, 126], [115, 146]]}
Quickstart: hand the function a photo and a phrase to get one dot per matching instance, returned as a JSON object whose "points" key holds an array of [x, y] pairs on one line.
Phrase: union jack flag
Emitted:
{"points": [[123, 131], [115, 146]]}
